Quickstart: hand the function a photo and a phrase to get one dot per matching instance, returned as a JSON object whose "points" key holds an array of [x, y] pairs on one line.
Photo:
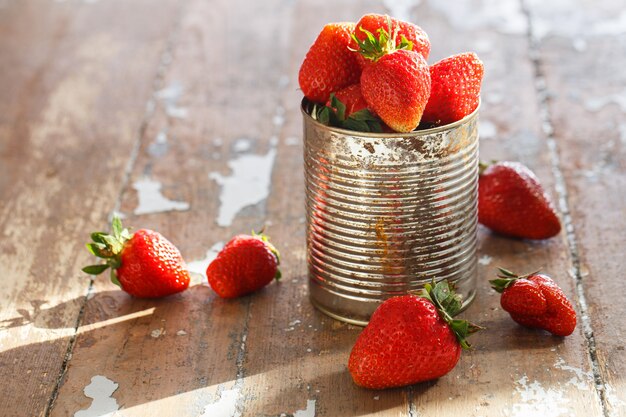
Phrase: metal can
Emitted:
{"points": [[388, 213]]}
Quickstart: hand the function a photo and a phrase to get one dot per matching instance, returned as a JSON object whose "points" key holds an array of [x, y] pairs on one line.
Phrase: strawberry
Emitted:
{"points": [[412, 33], [330, 64], [144, 263], [347, 109], [410, 339], [396, 84], [535, 300], [351, 98], [512, 202], [455, 88], [246, 264]]}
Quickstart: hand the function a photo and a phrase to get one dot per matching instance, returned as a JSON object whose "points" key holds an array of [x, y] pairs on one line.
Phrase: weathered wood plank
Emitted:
{"points": [[74, 83], [585, 85], [226, 109]]}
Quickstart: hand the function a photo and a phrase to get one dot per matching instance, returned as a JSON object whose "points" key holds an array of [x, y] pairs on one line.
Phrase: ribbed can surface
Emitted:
{"points": [[387, 213]]}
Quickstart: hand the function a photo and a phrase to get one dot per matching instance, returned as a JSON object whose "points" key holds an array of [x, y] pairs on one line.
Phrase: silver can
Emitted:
{"points": [[387, 213]]}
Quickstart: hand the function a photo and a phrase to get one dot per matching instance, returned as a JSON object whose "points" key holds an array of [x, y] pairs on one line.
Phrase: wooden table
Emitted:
{"points": [[183, 115]]}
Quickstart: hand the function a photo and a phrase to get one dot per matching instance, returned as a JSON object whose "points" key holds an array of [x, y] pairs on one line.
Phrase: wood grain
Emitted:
{"points": [[584, 86], [74, 82], [224, 113]]}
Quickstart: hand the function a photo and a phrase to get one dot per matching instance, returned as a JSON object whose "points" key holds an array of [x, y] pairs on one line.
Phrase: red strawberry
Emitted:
{"points": [[396, 88], [372, 23], [144, 264], [410, 339], [351, 98], [512, 202], [246, 264], [535, 300], [455, 88], [330, 64]]}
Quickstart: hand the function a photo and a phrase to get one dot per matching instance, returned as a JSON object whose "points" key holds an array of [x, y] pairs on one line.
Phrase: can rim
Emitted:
{"points": [[415, 133]]}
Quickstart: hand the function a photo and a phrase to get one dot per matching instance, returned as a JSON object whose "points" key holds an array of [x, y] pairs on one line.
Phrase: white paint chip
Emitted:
{"points": [[156, 333], [247, 185], [242, 145], [225, 406], [485, 260], [100, 390], [181, 333], [538, 401], [292, 141], [308, 412], [159, 146], [170, 96], [152, 201]]}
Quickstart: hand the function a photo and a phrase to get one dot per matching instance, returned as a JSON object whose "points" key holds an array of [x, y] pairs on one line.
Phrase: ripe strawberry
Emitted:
{"points": [[372, 23], [535, 300], [330, 64], [144, 264], [246, 264], [455, 88], [351, 98], [512, 202], [396, 84], [410, 339]]}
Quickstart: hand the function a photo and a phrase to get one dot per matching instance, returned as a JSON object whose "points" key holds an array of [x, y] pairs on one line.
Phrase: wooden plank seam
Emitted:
{"points": [[562, 197], [162, 65]]}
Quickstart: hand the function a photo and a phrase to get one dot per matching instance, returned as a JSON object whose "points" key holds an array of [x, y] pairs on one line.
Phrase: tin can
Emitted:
{"points": [[387, 213]]}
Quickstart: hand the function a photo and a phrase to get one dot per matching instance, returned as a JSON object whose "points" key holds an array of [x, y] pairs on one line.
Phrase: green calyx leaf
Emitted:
{"points": [[448, 303], [335, 115], [373, 48], [506, 278], [108, 247]]}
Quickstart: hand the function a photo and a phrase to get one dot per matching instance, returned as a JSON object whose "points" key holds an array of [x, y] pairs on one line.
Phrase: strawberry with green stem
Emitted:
{"points": [[347, 109], [535, 300], [144, 263], [411, 339], [396, 84]]}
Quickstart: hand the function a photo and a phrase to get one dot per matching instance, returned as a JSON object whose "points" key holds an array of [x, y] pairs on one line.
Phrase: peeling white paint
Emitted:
{"points": [[597, 103], [292, 141], [170, 96], [485, 260], [242, 145], [581, 379], [308, 412], [487, 130], [156, 333], [100, 390], [247, 185], [181, 332], [159, 146], [615, 403], [152, 201], [537, 401], [200, 266], [225, 406]]}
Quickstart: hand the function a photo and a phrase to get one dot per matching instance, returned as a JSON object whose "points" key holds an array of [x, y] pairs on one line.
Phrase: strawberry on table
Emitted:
{"points": [[411, 339], [396, 84], [512, 202], [330, 64], [412, 33], [143, 263], [455, 88], [535, 300], [246, 264]]}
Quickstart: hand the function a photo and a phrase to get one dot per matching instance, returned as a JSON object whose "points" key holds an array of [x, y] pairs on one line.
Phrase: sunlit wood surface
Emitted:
{"points": [[160, 109]]}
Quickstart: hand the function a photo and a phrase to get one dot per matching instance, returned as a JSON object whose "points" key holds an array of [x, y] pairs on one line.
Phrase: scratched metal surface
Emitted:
{"points": [[387, 214], [166, 112]]}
